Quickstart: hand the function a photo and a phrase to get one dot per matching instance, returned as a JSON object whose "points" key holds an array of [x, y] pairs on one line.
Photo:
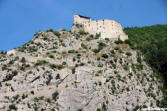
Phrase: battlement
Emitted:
{"points": [[79, 19], [107, 28]]}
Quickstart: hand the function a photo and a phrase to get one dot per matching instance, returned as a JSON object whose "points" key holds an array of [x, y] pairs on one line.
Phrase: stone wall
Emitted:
{"points": [[107, 28], [81, 19]]}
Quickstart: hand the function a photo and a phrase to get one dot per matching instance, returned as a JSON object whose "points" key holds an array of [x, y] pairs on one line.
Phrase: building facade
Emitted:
{"points": [[107, 28]]}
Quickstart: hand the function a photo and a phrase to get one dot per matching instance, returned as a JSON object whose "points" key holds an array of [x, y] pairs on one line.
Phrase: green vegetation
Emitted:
{"points": [[79, 109], [55, 95], [10, 76], [101, 45], [97, 36], [57, 33], [128, 53], [98, 109], [152, 42], [50, 30], [23, 60], [72, 51], [59, 66], [50, 55], [78, 25], [40, 62], [73, 70], [49, 79], [82, 32], [105, 56], [12, 107], [92, 37], [119, 41], [84, 46]]}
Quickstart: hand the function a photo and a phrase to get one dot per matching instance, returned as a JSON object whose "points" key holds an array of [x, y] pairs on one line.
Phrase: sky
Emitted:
{"points": [[20, 19]]}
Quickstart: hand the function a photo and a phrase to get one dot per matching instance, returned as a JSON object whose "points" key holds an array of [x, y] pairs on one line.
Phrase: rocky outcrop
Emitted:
{"points": [[66, 71]]}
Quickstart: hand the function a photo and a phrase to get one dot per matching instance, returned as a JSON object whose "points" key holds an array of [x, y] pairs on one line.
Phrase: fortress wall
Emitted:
{"points": [[80, 20], [107, 28]]}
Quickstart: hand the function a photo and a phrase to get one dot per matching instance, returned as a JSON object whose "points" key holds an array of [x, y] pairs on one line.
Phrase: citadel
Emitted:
{"points": [[107, 28]]}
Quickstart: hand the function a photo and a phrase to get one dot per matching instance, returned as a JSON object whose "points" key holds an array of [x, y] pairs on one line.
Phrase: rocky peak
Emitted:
{"points": [[76, 71]]}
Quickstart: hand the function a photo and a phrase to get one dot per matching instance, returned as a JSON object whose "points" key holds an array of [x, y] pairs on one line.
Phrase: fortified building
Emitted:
{"points": [[107, 28]]}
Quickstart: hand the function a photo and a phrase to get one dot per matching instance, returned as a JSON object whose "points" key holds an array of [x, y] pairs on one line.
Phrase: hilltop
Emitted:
{"points": [[67, 71]]}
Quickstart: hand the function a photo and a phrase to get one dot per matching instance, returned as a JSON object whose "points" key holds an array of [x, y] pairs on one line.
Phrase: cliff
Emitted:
{"points": [[65, 71]]}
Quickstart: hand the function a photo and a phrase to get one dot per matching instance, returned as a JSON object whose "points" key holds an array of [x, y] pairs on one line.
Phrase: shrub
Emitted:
{"points": [[79, 109], [113, 65], [79, 25], [126, 67], [82, 64], [84, 46], [23, 60], [107, 39], [32, 49], [71, 51], [55, 95], [119, 41], [104, 55], [32, 92], [97, 36], [128, 53], [116, 48], [127, 41], [10, 76], [136, 108], [139, 59], [16, 58], [59, 67], [11, 62], [41, 62], [58, 76], [49, 79], [101, 45], [96, 50], [52, 66], [73, 70], [51, 56], [57, 33], [53, 109], [100, 65], [82, 32], [139, 66], [4, 67], [64, 63], [90, 38], [14, 72], [98, 109], [104, 107], [50, 30], [12, 107], [63, 30]]}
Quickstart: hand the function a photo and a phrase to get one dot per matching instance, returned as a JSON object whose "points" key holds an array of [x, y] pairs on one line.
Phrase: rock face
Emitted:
{"points": [[65, 71]]}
